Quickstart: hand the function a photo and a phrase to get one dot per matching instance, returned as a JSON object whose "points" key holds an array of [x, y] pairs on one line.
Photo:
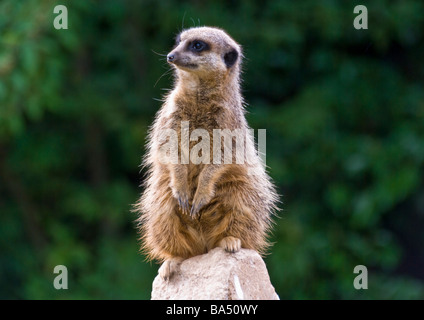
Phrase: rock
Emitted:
{"points": [[218, 275]]}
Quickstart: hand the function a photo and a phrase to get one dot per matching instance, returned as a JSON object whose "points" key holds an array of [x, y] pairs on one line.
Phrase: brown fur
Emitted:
{"points": [[229, 207]]}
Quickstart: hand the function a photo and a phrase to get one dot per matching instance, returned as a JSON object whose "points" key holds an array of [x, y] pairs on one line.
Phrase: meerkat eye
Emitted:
{"points": [[198, 46]]}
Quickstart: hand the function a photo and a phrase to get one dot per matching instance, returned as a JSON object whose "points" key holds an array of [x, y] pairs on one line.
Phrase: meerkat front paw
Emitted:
{"points": [[182, 199], [169, 267], [199, 201], [182, 196], [230, 244]]}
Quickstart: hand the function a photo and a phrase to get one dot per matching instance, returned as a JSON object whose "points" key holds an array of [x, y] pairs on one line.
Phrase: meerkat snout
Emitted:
{"points": [[171, 57]]}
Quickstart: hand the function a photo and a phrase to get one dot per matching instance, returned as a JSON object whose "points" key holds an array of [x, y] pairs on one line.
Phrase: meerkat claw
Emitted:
{"points": [[183, 203], [169, 267], [195, 208], [198, 204], [230, 244]]}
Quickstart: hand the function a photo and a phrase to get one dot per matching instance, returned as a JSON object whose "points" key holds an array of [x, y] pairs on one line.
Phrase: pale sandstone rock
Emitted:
{"points": [[218, 275]]}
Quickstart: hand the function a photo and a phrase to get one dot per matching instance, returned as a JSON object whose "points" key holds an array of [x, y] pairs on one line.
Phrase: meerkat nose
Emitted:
{"points": [[171, 57]]}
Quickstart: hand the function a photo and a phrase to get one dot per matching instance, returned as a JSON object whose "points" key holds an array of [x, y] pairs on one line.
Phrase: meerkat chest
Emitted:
{"points": [[209, 118]]}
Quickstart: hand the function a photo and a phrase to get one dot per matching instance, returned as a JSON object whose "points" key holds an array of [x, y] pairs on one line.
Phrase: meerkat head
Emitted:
{"points": [[205, 52]]}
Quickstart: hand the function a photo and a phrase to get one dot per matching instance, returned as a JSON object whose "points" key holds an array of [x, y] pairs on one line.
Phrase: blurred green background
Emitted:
{"points": [[344, 114]]}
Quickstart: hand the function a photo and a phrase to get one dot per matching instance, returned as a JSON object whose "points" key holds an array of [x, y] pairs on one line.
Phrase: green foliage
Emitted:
{"points": [[343, 109]]}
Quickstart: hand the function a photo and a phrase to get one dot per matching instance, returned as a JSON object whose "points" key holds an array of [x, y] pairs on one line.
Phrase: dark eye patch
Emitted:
{"points": [[198, 46]]}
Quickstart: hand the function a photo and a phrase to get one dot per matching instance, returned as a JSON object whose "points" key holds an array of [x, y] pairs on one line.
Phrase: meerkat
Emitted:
{"points": [[188, 209]]}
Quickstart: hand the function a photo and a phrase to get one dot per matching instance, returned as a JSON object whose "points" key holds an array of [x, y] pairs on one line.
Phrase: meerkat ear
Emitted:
{"points": [[230, 58]]}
